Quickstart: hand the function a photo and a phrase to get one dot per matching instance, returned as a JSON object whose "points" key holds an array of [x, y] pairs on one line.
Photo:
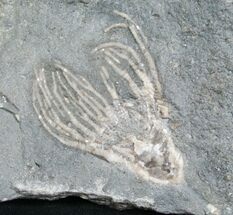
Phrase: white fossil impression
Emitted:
{"points": [[130, 131]]}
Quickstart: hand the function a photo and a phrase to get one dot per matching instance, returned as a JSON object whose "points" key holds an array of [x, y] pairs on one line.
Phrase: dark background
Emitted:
{"points": [[67, 206]]}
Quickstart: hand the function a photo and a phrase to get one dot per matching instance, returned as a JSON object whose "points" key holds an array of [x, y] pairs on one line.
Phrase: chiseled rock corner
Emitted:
{"points": [[124, 103]]}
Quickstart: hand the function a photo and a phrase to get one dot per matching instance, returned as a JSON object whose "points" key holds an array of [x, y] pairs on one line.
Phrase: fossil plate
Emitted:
{"points": [[114, 128]]}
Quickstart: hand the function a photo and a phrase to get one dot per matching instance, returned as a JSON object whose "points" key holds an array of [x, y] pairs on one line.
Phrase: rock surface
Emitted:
{"points": [[192, 44]]}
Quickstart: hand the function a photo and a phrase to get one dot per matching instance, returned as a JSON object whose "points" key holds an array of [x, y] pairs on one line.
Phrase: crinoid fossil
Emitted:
{"points": [[130, 131]]}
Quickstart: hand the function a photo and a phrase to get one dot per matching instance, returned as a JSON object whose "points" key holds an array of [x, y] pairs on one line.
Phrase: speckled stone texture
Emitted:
{"points": [[191, 42]]}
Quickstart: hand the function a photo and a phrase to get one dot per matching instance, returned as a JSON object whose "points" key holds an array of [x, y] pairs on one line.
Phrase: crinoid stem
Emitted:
{"points": [[137, 32], [111, 88], [118, 25], [110, 55], [121, 46], [83, 83], [138, 71], [84, 114], [87, 101], [42, 84], [149, 59], [78, 103], [125, 16], [85, 130], [125, 75], [50, 123], [48, 115]]}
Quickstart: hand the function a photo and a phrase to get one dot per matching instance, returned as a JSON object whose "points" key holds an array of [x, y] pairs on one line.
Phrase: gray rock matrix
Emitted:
{"points": [[192, 44]]}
